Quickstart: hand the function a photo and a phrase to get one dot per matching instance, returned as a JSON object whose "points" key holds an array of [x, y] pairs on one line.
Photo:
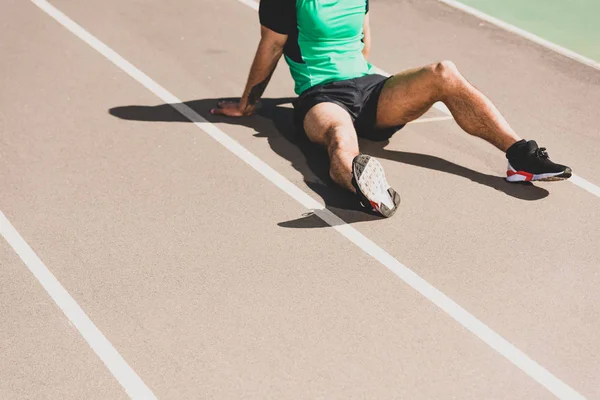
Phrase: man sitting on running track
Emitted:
{"points": [[341, 98]]}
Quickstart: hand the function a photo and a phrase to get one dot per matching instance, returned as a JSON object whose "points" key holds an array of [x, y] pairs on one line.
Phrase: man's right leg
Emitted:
{"points": [[330, 126], [407, 95]]}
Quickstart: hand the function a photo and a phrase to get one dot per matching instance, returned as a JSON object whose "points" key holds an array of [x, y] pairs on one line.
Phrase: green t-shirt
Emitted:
{"points": [[325, 38]]}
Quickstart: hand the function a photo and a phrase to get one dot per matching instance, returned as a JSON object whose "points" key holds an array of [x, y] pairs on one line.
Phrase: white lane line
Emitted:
{"points": [[585, 184], [250, 3], [432, 119], [116, 364], [523, 33], [463, 317]]}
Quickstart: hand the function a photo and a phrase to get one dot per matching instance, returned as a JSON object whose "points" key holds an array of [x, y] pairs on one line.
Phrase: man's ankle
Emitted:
{"points": [[516, 148]]}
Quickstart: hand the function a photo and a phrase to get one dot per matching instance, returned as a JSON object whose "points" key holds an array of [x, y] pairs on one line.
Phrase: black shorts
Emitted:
{"points": [[358, 96]]}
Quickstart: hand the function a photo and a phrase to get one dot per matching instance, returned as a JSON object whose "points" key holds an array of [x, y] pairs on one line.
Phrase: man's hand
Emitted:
{"points": [[232, 109]]}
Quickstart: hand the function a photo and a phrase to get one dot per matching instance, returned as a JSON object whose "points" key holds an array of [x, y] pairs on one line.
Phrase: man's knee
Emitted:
{"points": [[445, 73]]}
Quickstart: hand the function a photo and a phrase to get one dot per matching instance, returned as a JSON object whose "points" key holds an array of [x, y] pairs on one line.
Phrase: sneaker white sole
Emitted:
{"points": [[370, 179], [512, 175]]}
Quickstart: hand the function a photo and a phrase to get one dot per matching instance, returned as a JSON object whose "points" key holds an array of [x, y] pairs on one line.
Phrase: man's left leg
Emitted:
{"points": [[408, 95], [330, 126]]}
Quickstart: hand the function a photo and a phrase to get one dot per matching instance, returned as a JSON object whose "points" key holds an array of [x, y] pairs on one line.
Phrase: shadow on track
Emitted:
{"points": [[275, 123]]}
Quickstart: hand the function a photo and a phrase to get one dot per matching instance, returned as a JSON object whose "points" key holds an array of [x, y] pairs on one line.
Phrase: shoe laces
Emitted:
{"points": [[541, 153]]}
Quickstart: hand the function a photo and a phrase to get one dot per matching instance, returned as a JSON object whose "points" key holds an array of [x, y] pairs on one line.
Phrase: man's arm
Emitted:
{"points": [[367, 36], [270, 49]]}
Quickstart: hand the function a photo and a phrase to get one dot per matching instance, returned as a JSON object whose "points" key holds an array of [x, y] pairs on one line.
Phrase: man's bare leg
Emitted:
{"points": [[330, 126], [408, 95]]}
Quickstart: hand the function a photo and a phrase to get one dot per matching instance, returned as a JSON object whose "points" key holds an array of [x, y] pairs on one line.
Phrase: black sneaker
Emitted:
{"points": [[528, 162], [373, 190]]}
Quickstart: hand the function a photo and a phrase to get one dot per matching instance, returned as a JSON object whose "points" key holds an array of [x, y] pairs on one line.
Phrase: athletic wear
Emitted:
{"points": [[358, 96], [371, 186], [528, 162], [324, 53], [324, 38]]}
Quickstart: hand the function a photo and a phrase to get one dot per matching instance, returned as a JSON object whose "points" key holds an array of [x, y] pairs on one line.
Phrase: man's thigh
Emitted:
{"points": [[328, 121], [406, 96]]}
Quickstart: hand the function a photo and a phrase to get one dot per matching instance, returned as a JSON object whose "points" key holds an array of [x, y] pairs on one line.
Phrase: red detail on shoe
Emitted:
{"points": [[374, 205], [527, 175]]}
